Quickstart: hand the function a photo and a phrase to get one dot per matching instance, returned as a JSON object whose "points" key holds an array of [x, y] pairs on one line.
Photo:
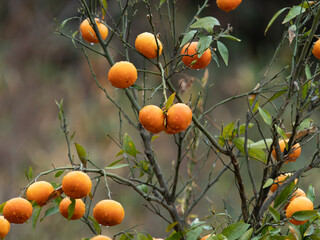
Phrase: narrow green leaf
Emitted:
{"points": [[308, 72], [265, 116], [1, 207], [294, 11], [278, 94], [170, 101], [49, 212], [268, 183], [242, 128], [235, 230], [311, 193], [206, 23], [194, 233], [175, 236], [35, 215], [223, 50], [117, 166], [71, 208], [154, 137], [262, 144], [247, 235], [230, 37], [203, 45], [254, 153], [304, 215], [96, 225], [144, 188], [135, 86], [275, 214], [309, 231], [227, 130], [59, 173], [30, 173], [115, 162], [187, 37], [119, 153], [274, 18], [129, 146], [281, 132], [171, 226], [141, 236], [305, 124], [82, 154], [103, 7], [65, 22], [162, 2], [284, 195]]}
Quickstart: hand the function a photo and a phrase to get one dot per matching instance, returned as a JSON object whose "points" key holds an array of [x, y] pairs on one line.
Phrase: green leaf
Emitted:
{"points": [[129, 146], [218, 237], [235, 230], [311, 193], [230, 37], [194, 233], [254, 153], [247, 235], [242, 128], [262, 144], [135, 86], [117, 166], [308, 72], [49, 212], [1, 207], [170, 101], [275, 214], [294, 11], [154, 137], [187, 37], [119, 153], [35, 215], [223, 50], [274, 18], [59, 173], [141, 236], [306, 123], [162, 2], [71, 208], [65, 22], [268, 183], [203, 45], [278, 94], [175, 236], [265, 115], [144, 188], [304, 215], [115, 162], [82, 154], [227, 130], [284, 195], [206, 23], [309, 231], [281, 132], [171, 226], [30, 173], [96, 225], [103, 7]]}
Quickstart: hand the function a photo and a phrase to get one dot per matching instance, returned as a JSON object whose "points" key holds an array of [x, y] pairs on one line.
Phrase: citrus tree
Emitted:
{"points": [[275, 129]]}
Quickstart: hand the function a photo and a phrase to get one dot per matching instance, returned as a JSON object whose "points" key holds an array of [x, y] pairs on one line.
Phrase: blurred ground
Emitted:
{"points": [[38, 67]]}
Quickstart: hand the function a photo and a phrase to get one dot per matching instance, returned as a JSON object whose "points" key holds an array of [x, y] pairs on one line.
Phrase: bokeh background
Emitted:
{"points": [[38, 67]]}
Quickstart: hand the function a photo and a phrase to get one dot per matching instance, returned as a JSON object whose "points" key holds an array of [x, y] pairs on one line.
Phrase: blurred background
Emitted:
{"points": [[38, 67]]}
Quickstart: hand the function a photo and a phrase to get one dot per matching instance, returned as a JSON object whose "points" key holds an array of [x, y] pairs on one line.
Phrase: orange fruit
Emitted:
{"points": [[316, 49], [191, 57], [147, 45], [179, 117], [76, 184], [88, 33], [152, 118], [206, 236], [294, 153], [101, 237], [4, 227], [298, 204], [228, 5], [279, 180], [122, 74], [17, 210], [79, 208], [39, 192], [298, 193], [108, 212]]}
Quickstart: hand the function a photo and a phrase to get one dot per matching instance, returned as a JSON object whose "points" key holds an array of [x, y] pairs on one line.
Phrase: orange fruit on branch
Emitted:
{"points": [[292, 155], [228, 5], [89, 34], [279, 180], [79, 208], [152, 118], [122, 74], [298, 204], [39, 192], [4, 227], [148, 46], [101, 237], [298, 193], [316, 49], [108, 212], [179, 117], [190, 56], [76, 184], [17, 210]]}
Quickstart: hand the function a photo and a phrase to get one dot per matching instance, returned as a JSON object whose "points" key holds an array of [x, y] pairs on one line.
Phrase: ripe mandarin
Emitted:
{"points": [[298, 193], [108, 212], [88, 33], [17, 210], [122, 74], [228, 5], [294, 153], [101, 237], [298, 204], [76, 184], [39, 192], [147, 45], [4, 227], [279, 180], [316, 49], [79, 208], [152, 118], [179, 117], [191, 57]]}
